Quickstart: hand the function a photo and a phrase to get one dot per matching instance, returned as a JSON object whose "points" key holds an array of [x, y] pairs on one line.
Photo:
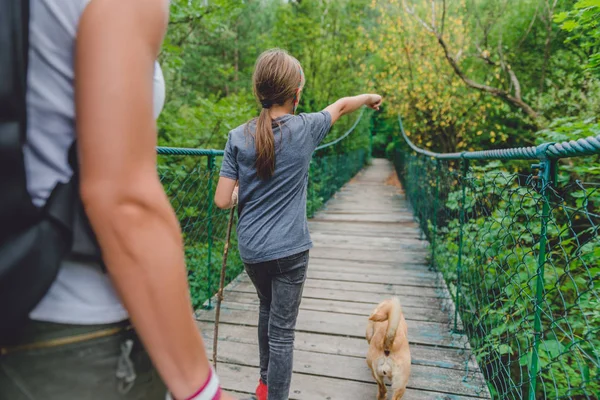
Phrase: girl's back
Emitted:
{"points": [[272, 212]]}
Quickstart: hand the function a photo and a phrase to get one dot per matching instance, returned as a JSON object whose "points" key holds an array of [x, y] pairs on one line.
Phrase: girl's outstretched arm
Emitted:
{"points": [[347, 105]]}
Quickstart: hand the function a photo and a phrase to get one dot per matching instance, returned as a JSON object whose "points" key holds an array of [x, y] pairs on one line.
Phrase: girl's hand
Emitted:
{"points": [[234, 196], [347, 105], [374, 101]]}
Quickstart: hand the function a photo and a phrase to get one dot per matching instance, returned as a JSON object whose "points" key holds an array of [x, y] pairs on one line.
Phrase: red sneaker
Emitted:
{"points": [[261, 391]]}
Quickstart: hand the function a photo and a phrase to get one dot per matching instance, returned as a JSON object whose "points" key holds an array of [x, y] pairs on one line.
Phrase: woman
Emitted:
{"points": [[93, 77], [269, 157]]}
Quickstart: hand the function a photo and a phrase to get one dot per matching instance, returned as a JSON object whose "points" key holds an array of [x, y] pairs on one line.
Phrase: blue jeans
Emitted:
{"points": [[279, 284]]}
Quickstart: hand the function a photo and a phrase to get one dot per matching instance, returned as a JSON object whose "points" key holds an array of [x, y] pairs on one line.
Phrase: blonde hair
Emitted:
{"points": [[276, 79]]}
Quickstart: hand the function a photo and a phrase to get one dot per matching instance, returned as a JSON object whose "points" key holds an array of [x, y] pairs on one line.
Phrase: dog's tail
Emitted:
{"points": [[390, 311]]}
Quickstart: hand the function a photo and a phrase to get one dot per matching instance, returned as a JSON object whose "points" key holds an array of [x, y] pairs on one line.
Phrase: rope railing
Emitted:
{"points": [[190, 176], [520, 255], [573, 148], [345, 135], [181, 151]]}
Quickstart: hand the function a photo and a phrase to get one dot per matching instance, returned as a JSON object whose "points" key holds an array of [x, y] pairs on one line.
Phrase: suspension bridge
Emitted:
{"points": [[495, 264]]}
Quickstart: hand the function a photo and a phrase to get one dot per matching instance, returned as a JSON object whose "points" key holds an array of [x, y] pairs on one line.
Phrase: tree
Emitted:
{"points": [[512, 96]]}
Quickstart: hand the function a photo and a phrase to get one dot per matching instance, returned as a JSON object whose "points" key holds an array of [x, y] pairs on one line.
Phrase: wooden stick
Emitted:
{"points": [[221, 288]]}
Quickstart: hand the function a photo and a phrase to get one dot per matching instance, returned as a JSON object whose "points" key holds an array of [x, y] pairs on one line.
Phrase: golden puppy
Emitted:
{"points": [[389, 355]]}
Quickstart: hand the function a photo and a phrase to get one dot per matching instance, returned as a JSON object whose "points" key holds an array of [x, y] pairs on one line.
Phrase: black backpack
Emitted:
{"points": [[33, 241]]}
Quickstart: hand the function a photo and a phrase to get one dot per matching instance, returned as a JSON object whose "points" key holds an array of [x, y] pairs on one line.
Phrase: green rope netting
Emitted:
{"points": [[190, 182], [521, 259]]}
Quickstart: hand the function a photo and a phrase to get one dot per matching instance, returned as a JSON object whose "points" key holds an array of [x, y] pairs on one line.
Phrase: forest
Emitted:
{"points": [[463, 75], [467, 74]]}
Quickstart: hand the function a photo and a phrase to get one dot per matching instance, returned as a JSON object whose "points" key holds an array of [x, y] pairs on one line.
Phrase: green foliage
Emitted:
{"points": [[211, 46], [583, 25], [510, 46]]}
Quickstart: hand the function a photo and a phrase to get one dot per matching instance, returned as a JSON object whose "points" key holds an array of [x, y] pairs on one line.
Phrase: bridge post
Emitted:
{"points": [[370, 146], [435, 211], [465, 171], [311, 188], [211, 174], [421, 180], [547, 176]]}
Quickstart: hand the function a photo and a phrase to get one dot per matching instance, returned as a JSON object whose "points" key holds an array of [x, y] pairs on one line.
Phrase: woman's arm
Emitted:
{"points": [[348, 105], [117, 44]]}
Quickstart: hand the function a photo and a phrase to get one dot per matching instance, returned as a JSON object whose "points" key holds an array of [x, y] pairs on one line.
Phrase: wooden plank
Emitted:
{"points": [[346, 207], [420, 265], [375, 244], [319, 236], [383, 291], [391, 279], [422, 332], [391, 256], [353, 297], [310, 387], [379, 288], [363, 229], [418, 271], [249, 301], [346, 217], [356, 369], [440, 357]]}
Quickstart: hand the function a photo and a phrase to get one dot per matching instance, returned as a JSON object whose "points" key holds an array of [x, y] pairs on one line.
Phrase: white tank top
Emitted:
{"points": [[81, 293]]}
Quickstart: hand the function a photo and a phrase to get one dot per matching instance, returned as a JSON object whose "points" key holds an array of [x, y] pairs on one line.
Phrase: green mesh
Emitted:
{"points": [[190, 182], [521, 258]]}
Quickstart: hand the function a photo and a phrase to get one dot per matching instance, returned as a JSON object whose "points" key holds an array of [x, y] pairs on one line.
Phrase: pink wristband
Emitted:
{"points": [[211, 390]]}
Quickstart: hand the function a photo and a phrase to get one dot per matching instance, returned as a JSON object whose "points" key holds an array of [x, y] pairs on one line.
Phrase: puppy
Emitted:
{"points": [[389, 355]]}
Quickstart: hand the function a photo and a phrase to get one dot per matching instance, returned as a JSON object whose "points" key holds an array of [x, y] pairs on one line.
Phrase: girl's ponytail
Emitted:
{"points": [[265, 145], [277, 80]]}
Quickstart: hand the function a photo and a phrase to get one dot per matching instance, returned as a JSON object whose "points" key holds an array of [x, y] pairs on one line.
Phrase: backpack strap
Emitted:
{"points": [[17, 211], [85, 246]]}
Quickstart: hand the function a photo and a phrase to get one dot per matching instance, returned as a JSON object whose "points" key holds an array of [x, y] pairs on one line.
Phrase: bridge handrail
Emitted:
{"points": [[185, 151], [520, 244], [572, 148], [345, 135]]}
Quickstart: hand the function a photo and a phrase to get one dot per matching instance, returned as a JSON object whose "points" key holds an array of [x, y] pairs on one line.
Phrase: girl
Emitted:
{"points": [[269, 158]]}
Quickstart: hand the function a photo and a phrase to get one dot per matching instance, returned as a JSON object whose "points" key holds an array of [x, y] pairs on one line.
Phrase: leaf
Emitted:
{"points": [[552, 347], [504, 349], [569, 25]]}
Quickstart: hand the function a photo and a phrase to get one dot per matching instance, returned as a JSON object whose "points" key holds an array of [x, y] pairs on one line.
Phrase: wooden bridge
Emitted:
{"points": [[367, 248]]}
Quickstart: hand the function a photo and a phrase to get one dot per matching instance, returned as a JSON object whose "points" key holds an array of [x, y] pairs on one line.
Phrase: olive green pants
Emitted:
{"points": [[62, 362]]}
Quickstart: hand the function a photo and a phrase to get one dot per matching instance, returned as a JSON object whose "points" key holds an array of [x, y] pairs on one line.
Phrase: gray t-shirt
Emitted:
{"points": [[272, 213]]}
